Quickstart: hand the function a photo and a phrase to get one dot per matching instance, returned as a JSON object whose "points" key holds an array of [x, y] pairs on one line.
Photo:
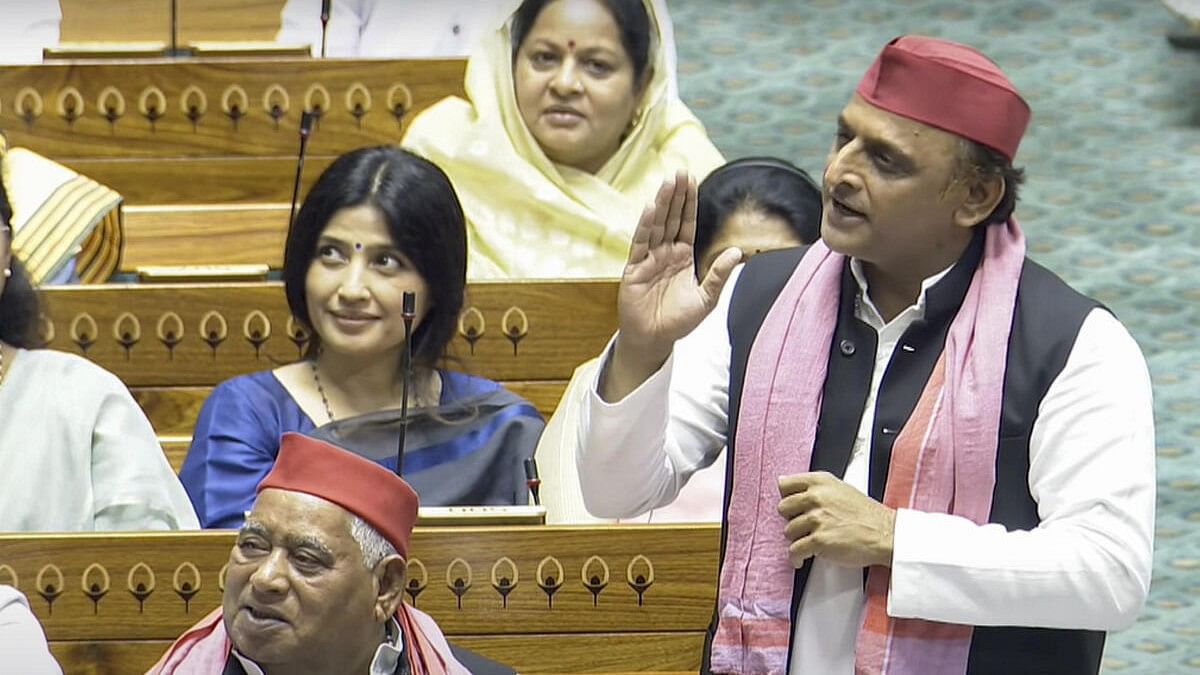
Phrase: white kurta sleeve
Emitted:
{"points": [[636, 454], [1091, 471], [133, 485], [22, 642]]}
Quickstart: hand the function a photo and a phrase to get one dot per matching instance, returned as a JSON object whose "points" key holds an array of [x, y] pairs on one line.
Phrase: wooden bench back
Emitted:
{"points": [[204, 150], [543, 599], [205, 131], [171, 343], [150, 20]]}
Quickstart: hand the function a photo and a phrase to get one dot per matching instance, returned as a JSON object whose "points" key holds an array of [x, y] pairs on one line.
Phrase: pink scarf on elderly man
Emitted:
{"points": [[205, 648], [943, 461]]}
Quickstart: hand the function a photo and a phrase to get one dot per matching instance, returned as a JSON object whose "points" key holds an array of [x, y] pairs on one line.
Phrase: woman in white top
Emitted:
{"points": [[76, 450]]}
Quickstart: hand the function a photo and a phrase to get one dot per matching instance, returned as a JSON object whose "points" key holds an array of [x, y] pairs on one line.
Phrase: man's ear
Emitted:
{"points": [[983, 194], [390, 573]]}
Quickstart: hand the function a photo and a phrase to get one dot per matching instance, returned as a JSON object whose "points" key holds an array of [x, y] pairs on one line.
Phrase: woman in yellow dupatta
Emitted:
{"points": [[60, 219], [528, 215]]}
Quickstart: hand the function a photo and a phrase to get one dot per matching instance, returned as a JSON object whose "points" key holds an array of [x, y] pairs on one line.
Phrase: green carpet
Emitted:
{"points": [[1112, 202]]}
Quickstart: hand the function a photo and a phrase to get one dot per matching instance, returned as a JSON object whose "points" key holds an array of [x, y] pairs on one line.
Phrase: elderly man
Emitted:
{"points": [[315, 581], [942, 457]]}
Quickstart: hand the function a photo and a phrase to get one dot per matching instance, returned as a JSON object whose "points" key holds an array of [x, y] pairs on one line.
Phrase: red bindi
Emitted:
{"points": [[570, 44]]}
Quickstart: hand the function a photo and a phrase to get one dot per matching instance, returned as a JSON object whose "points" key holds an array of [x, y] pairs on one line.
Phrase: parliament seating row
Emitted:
{"points": [[629, 598], [204, 150], [171, 343]]}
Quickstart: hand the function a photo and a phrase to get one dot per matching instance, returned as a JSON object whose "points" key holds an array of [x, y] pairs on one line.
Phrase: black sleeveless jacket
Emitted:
{"points": [[1045, 324]]}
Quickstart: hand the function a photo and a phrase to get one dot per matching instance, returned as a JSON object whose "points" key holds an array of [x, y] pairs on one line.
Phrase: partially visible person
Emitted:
{"points": [[23, 647], [388, 28], [66, 227], [570, 122], [379, 222], [78, 453], [315, 581], [28, 28], [755, 204]]}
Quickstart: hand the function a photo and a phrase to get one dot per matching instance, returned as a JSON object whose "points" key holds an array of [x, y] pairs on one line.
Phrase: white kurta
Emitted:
{"points": [[78, 453], [22, 642], [389, 28], [1091, 472], [29, 26]]}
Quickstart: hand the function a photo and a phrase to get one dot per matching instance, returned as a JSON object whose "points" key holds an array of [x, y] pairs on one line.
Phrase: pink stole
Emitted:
{"points": [[942, 461], [205, 647]]}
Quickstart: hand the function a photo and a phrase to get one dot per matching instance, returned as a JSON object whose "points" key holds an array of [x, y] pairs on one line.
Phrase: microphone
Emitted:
{"points": [[532, 481], [408, 312], [306, 125], [326, 7]]}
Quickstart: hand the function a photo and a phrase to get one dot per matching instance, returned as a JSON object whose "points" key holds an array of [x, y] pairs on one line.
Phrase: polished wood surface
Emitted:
{"points": [[216, 107], [201, 234], [198, 20], [608, 598], [192, 335]]}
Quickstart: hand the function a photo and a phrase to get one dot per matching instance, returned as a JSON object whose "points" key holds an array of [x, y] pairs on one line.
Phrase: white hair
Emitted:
{"points": [[372, 544]]}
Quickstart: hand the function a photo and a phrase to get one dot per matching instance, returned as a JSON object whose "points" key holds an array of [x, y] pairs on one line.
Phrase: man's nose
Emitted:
{"points": [[841, 169], [270, 577]]}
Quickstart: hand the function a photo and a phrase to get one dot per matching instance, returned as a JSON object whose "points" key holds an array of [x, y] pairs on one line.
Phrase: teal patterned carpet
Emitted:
{"points": [[1112, 203]]}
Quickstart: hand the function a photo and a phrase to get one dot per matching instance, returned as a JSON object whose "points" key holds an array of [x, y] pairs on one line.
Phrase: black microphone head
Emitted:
{"points": [[408, 305], [326, 8], [307, 118], [531, 471]]}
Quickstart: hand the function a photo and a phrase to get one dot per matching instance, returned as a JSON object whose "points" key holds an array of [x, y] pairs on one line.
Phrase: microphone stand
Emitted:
{"points": [[408, 312], [306, 125], [326, 7], [174, 50], [532, 481]]}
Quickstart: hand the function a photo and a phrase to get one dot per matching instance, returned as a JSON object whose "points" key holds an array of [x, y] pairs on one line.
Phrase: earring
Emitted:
{"points": [[7, 272]]}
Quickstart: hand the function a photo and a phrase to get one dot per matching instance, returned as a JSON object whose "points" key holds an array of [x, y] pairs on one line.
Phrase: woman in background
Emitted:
{"points": [[378, 222], [77, 452], [756, 204], [570, 123]]}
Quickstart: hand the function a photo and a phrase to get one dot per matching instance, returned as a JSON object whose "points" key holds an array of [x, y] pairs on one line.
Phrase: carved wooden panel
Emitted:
{"points": [[216, 107], [201, 334], [473, 580]]}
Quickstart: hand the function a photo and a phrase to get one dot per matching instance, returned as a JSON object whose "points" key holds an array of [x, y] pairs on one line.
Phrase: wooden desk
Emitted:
{"points": [[171, 343], [542, 598]]}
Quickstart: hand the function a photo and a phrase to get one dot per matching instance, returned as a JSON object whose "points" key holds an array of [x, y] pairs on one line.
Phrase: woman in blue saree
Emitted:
{"points": [[379, 222]]}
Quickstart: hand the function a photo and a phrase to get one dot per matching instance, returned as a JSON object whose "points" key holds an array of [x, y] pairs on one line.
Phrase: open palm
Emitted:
{"points": [[660, 299]]}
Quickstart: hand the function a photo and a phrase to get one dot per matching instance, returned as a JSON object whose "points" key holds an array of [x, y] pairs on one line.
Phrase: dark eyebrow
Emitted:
{"points": [[878, 145], [387, 248]]}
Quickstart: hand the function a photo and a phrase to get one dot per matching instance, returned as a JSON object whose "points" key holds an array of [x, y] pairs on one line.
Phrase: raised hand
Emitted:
{"points": [[660, 299]]}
